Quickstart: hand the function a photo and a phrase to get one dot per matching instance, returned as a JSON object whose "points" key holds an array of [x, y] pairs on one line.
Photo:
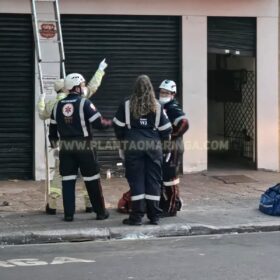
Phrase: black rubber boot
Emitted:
{"points": [[68, 218], [103, 216], [50, 211], [130, 222], [89, 210]]}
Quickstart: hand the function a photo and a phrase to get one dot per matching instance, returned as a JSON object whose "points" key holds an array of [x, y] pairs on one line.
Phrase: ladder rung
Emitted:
{"points": [[56, 61], [47, 20], [50, 41], [44, 0]]}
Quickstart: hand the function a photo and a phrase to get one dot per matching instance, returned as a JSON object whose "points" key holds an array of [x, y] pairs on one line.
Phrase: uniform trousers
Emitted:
{"points": [[170, 201], [85, 159], [144, 175]]}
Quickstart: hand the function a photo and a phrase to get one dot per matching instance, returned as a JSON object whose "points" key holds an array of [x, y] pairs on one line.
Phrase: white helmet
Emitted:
{"points": [[168, 85], [72, 80], [59, 85]]}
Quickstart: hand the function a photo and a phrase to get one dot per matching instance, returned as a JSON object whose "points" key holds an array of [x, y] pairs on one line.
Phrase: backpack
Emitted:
{"points": [[270, 201], [124, 204]]}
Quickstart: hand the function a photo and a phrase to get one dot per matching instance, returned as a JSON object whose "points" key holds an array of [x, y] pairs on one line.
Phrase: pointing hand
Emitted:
{"points": [[103, 65]]}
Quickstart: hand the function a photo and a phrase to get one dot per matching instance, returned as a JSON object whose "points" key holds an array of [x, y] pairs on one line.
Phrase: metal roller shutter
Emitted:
{"points": [[16, 97], [234, 34], [132, 45]]}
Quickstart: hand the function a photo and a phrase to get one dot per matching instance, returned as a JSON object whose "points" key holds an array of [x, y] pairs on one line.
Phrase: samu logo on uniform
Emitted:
{"points": [[68, 110], [143, 122]]}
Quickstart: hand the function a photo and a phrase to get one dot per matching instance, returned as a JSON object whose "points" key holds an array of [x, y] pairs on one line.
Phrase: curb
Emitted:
{"points": [[128, 233], [54, 236]]}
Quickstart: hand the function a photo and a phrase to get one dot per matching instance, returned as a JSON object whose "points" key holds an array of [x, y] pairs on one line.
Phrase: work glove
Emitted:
{"points": [[41, 98], [56, 153], [121, 154], [54, 142], [103, 65], [41, 102]]}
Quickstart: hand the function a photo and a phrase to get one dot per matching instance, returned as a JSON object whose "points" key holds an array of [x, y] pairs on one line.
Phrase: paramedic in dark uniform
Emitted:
{"points": [[141, 125], [71, 122], [170, 201]]}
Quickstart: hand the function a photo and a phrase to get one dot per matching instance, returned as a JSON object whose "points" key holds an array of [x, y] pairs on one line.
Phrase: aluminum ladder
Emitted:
{"points": [[50, 58]]}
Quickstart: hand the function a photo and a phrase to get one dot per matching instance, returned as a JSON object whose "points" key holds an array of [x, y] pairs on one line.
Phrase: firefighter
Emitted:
{"points": [[44, 110], [170, 201], [71, 122], [141, 125]]}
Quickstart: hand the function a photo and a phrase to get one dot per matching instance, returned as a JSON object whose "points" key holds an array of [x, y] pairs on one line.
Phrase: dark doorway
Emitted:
{"points": [[231, 93]]}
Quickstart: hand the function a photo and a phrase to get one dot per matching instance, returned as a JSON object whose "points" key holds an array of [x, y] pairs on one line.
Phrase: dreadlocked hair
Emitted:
{"points": [[143, 100]]}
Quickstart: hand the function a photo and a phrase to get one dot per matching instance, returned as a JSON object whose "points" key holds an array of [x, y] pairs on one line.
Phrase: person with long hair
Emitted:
{"points": [[142, 126]]}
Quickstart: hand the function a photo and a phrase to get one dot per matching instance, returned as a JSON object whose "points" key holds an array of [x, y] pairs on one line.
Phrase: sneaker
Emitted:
{"points": [[68, 218], [131, 222], [50, 211], [103, 216], [89, 210]]}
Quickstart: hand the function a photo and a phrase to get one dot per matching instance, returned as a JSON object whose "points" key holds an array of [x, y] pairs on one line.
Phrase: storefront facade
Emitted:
{"points": [[178, 50]]}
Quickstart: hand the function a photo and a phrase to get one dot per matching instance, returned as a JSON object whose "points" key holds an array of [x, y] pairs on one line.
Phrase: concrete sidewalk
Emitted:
{"points": [[213, 205]]}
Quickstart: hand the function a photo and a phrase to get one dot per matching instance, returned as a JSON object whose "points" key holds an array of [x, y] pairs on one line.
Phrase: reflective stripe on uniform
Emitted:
{"points": [[164, 127], [54, 111], [69, 177], [92, 178], [53, 121], [127, 114], [158, 111], [176, 121], [94, 117], [152, 197], [137, 197], [172, 183], [82, 117], [54, 116], [117, 122]]}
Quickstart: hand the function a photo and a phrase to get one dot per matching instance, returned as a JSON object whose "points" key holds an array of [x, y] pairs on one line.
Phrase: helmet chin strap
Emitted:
{"points": [[81, 91], [75, 91]]}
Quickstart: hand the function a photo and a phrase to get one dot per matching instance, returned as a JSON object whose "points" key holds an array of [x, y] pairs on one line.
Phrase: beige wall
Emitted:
{"points": [[194, 34], [267, 94], [266, 8]]}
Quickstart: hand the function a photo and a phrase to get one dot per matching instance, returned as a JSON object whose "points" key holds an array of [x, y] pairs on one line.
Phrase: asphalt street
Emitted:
{"points": [[239, 257]]}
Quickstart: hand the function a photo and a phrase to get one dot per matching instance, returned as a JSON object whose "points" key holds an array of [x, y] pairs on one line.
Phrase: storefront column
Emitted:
{"points": [[267, 94], [194, 81]]}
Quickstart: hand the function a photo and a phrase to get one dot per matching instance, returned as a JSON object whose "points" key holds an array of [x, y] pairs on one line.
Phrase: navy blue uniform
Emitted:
{"points": [[72, 120], [170, 200], [141, 140]]}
